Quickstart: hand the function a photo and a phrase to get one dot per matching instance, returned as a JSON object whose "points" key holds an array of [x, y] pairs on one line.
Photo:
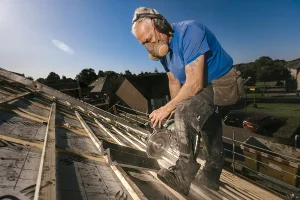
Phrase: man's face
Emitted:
{"points": [[148, 34], [155, 42]]}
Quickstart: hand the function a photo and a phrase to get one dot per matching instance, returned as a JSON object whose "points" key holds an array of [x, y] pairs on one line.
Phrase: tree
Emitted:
{"points": [[155, 70], [110, 73], [87, 76], [273, 73], [248, 70], [128, 73], [264, 61], [141, 74], [29, 77], [53, 77], [101, 73], [64, 77], [264, 73], [41, 80]]}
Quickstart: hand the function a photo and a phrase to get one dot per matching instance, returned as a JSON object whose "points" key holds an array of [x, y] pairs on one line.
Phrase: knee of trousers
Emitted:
{"points": [[193, 113]]}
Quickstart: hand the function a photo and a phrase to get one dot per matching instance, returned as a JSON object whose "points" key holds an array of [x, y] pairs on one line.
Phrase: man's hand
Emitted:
{"points": [[158, 115]]}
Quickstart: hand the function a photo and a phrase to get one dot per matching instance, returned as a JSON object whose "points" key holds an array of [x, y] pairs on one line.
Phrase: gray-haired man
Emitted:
{"points": [[192, 58]]}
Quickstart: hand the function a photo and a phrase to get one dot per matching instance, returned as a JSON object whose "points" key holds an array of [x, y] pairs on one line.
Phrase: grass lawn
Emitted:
{"points": [[276, 109], [262, 84], [252, 95]]}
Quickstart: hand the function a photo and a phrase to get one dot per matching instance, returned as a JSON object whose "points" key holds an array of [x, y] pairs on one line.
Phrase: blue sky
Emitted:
{"points": [[97, 33]]}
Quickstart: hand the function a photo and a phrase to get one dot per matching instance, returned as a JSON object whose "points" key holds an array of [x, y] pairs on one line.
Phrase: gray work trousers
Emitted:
{"points": [[199, 116]]}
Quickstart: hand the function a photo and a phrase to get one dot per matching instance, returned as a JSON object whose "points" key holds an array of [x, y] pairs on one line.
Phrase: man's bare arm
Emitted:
{"points": [[174, 85], [194, 82]]}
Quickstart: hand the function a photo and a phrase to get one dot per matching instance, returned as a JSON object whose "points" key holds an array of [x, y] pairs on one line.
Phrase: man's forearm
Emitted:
{"points": [[174, 89], [185, 92]]}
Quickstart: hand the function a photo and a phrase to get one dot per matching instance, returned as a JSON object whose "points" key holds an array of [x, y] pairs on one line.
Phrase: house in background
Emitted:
{"points": [[104, 88], [141, 93], [294, 67], [68, 86], [145, 93]]}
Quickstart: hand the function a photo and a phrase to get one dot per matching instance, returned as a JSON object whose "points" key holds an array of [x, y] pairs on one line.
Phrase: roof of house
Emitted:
{"points": [[294, 64], [67, 84], [100, 81], [98, 84], [108, 84], [51, 142], [151, 86]]}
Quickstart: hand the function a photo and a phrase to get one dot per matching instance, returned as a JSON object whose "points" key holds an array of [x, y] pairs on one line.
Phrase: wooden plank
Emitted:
{"points": [[133, 190], [13, 97], [23, 114], [175, 193], [46, 181], [109, 133], [39, 145]]}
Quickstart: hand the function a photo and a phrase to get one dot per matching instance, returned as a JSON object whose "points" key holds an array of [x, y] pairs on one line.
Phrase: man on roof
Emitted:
{"points": [[192, 58]]}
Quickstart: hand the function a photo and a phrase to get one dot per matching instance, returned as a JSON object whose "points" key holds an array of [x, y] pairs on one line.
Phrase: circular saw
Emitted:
{"points": [[157, 144]]}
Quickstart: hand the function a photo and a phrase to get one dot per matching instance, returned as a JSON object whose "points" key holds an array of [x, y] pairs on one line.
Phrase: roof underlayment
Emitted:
{"points": [[50, 149]]}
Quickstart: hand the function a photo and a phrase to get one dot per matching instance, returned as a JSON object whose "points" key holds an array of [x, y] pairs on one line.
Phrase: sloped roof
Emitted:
{"points": [[100, 81], [295, 64], [151, 86], [98, 84], [48, 144], [109, 84]]}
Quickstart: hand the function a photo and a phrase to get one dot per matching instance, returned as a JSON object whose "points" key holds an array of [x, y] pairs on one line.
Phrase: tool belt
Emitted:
{"points": [[228, 89]]}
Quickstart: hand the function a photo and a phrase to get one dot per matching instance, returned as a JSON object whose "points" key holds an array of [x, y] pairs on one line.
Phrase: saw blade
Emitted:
{"points": [[157, 144]]}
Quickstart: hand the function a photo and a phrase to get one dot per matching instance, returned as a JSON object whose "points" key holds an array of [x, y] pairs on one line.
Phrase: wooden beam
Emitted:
{"points": [[35, 144], [132, 189], [109, 133], [13, 97], [39, 145], [46, 180], [175, 193]]}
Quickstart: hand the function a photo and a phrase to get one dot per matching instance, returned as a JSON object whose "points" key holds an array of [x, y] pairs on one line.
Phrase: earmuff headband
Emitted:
{"points": [[148, 15]]}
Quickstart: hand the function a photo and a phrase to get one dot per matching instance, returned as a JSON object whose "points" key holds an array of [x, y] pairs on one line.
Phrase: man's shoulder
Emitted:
{"points": [[183, 25]]}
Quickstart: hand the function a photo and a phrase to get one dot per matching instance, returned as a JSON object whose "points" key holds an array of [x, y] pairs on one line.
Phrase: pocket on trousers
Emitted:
{"points": [[204, 111]]}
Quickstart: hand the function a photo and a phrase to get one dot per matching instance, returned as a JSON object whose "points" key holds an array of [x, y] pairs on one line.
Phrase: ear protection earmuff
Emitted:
{"points": [[158, 21]]}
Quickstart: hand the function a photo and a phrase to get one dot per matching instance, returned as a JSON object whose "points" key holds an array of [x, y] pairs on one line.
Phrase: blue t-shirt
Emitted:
{"points": [[190, 40]]}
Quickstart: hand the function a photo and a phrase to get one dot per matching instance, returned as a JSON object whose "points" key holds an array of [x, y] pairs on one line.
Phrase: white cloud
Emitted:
{"points": [[63, 47]]}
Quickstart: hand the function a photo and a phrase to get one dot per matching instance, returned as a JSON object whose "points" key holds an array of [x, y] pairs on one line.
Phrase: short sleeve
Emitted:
{"points": [[164, 64], [194, 43]]}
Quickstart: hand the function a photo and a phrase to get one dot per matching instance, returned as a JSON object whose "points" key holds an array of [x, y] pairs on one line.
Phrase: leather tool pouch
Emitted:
{"points": [[228, 89]]}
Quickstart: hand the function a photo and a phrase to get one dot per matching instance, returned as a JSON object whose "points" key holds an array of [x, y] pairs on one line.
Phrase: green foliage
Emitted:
{"points": [[53, 77], [41, 80], [111, 73], [128, 73], [264, 69], [29, 77], [101, 73], [87, 76]]}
